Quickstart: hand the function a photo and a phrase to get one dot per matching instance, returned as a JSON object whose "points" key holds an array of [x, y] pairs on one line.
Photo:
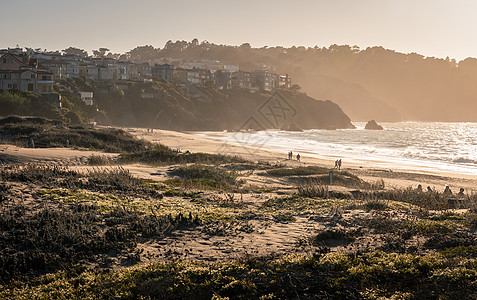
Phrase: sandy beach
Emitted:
{"points": [[190, 141], [365, 169]]}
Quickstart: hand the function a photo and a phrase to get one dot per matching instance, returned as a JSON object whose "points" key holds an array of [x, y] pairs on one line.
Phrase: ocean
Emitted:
{"points": [[433, 146]]}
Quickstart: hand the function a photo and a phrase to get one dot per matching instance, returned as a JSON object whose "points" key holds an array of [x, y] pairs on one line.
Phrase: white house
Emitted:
{"points": [[87, 97]]}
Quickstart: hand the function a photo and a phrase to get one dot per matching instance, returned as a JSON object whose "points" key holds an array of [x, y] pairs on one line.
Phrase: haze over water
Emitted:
{"points": [[428, 146]]}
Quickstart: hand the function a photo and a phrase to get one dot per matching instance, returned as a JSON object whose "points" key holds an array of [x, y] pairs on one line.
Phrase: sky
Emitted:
{"points": [[429, 27]]}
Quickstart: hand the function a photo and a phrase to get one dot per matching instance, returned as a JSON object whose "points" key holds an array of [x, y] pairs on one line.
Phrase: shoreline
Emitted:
{"points": [[368, 170]]}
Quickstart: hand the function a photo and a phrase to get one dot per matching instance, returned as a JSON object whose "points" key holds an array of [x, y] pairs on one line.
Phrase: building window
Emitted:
{"points": [[32, 76]]}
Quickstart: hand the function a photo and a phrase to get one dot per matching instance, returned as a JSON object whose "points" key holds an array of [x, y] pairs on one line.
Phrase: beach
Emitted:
{"points": [[196, 142], [368, 170]]}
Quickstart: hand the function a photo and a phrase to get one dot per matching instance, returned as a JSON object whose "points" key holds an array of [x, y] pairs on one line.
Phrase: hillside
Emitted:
{"points": [[176, 107], [372, 83]]}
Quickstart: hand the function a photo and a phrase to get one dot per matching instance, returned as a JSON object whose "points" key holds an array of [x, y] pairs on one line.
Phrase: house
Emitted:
{"points": [[275, 80], [180, 75], [22, 73], [194, 76], [122, 70], [223, 80], [72, 69], [89, 71], [57, 68], [163, 71], [144, 71], [198, 76], [133, 71], [241, 80], [231, 68], [87, 97], [285, 81], [263, 80], [11, 61]]}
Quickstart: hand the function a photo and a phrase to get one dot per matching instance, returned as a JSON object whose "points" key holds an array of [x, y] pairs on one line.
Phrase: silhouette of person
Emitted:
{"points": [[298, 157], [447, 191], [339, 164], [461, 192], [336, 164], [419, 188]]}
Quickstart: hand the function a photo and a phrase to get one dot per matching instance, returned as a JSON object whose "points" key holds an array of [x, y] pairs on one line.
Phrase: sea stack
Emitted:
{"points": [[372, 125]]}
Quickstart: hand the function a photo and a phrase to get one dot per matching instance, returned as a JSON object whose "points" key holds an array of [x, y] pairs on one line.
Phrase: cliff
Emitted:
{"points": [[177, 107]]}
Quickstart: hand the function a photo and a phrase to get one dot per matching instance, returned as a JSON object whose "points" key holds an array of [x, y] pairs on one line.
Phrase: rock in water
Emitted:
{"points": [[372, 125]]}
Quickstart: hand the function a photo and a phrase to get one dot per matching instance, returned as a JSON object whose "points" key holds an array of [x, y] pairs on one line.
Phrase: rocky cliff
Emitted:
{"points": [[174, 107]]}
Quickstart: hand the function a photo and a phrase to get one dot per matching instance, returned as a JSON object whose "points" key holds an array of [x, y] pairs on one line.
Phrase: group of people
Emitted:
{"points": [[338, 164], [290, 156], [447, 190]]}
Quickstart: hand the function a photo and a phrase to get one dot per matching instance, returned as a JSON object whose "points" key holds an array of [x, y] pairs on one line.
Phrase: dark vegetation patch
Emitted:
{"points": [[4, 188], [334, 276], [7, 159], [111, 180], [309, 170], [101, 160], [43, 133], [208, 174], [443, 241], [429, 200], [329, 237], [163, 155], [70, 236], [49, 235], [345, 179]]}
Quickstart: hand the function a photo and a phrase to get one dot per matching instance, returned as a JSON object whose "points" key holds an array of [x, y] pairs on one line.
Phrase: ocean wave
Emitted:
{"points": [[447, 145]]}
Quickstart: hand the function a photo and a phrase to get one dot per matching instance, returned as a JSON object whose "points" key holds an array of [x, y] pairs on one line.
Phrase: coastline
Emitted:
{"points": [[368, 170]]}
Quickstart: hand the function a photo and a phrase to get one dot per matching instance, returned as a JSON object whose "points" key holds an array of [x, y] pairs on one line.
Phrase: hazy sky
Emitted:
{"points": [[429, 27]]}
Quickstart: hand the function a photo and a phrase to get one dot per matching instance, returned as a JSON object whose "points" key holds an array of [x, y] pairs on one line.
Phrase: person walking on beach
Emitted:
{"points": [[336, 164], [339, 164], [298, 157]]}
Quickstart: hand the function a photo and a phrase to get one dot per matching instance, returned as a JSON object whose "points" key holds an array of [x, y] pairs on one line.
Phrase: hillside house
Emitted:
{"points": [[241, 80], [164, 71], [22, 73], [87, 97], [223, 80]]}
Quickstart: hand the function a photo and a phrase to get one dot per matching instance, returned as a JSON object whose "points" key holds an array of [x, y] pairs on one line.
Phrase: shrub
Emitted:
{"points": [[161, 155], [216, 174]]}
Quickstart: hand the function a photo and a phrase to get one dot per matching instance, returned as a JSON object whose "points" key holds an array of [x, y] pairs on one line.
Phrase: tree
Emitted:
{"points": [[75, 51], [194, 42], [101, 52]]}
